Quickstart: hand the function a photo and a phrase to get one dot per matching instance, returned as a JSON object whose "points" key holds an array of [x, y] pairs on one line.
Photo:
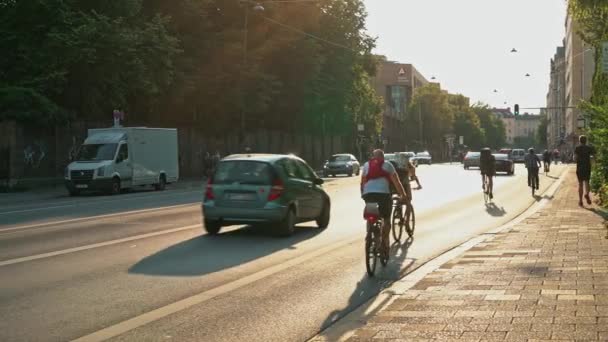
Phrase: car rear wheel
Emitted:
{"points": [[212, 227], [323, 219], [287, 226]]}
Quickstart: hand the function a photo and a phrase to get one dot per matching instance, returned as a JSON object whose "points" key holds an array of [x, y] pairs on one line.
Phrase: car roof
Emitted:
{"points": [[260, 157]]}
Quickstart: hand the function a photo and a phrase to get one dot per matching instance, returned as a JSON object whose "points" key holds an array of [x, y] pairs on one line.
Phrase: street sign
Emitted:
{"points": [[461, 140], [360, 127], [605, 57]]}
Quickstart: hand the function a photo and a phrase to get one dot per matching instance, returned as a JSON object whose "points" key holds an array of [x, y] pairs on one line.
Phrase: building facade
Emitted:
{"points": [[395, 83], [518, 127], [556, 100], [580, 66]]}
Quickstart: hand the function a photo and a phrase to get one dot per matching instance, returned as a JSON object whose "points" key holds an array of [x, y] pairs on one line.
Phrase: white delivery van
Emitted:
{"points": [[112, 159]]}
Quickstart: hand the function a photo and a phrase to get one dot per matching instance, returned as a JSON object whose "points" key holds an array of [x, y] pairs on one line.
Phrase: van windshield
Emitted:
{"points": [[96, 152], [243, 172]]}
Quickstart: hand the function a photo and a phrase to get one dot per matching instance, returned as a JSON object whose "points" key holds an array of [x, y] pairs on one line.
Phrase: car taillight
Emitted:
{"points": [[276, 190], [209, 190]]}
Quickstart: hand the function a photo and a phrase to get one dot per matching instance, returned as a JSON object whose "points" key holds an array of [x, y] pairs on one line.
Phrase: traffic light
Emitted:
{"points": [[516, 109]]}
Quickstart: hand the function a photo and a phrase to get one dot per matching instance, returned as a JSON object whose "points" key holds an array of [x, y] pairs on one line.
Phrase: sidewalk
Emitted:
{"points": [[545, 278]]}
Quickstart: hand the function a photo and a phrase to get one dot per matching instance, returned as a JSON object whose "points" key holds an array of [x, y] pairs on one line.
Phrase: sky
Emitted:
{"points": [[466, 44]]}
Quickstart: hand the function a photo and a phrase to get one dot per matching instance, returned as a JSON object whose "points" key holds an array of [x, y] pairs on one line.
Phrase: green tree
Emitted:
{"points": [[466, 124], [493, 127], [431, 110]]}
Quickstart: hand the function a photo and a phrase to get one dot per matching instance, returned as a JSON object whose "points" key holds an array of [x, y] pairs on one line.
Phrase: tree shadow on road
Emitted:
{"points": [[368, 287], [207, 254], [494, 210]]}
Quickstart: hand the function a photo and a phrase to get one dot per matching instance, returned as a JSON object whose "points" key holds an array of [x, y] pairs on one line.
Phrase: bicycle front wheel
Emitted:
{"points": [[370, 250], [410, 220], [397, 223]]}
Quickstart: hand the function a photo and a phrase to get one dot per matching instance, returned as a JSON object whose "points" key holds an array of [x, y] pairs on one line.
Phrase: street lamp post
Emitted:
{"points": [[257, 8]]}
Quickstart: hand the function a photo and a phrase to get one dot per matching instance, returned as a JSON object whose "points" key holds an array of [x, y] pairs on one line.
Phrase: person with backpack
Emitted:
{"points": [[376, 179], [487, 166]]}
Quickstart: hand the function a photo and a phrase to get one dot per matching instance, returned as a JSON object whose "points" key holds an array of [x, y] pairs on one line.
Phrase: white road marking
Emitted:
{"points": [[154, 315], [95, 245], [52, 223], [81, 203]]}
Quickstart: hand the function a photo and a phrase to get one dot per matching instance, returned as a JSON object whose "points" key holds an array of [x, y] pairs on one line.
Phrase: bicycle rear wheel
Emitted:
{"points": [[370, 250], [410, 220], [397, 222]]}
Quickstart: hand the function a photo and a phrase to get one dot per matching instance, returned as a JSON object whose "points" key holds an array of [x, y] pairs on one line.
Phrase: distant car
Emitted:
{"points": [[504, 163], [471, 159], [281, 190], [423, 158], [400, 158], [518, 155], [506, 151], [338, 164]]}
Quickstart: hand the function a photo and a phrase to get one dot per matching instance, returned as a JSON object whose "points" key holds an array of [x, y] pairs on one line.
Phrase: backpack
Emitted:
{"points": [[484, 158], [376, 170]]}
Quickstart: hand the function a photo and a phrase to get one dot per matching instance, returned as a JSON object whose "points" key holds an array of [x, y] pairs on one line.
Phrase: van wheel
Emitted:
{"points": [[212, 227], [115, 187], [287, 226], [162, 183], [323, 219]]}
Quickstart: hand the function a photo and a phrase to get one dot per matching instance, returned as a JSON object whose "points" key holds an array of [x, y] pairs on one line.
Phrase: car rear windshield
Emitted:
{"points": [[243, 172], [500, 156], [339, 158], [472, 154]]}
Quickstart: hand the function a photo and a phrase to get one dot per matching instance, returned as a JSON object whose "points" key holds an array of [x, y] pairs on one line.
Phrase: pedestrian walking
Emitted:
{"points": [[582, 156]]}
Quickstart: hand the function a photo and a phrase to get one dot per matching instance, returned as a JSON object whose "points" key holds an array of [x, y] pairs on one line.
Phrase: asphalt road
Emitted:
{"points": [[139, 266]]}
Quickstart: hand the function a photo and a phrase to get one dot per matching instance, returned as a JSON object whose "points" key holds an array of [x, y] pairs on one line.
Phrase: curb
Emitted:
{"points": [[344, 328]]}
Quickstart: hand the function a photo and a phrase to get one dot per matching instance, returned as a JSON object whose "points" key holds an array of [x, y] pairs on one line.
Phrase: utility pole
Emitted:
{"points": [[420, 125]]}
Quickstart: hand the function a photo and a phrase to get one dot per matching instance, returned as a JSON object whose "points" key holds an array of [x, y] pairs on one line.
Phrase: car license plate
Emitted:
{"points": [[241, 197], [82, 186]]}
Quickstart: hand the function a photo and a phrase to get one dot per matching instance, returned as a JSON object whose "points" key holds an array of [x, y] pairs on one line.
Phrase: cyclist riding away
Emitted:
{"points": [[547, 160], [411, 168], [532, 164], [487, 165], [376, 178]]}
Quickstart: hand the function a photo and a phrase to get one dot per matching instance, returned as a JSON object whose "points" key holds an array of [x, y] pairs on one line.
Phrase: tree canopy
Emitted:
{"points": [[306, 65]]}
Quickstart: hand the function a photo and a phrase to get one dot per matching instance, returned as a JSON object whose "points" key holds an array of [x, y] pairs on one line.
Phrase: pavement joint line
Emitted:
{"points": [[132, 212], [95, 245], [345, 328], [164, 311], [80, 203]]}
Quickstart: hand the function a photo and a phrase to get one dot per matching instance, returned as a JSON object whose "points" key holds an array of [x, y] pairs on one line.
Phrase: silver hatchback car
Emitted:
{"points": [[280, 190]]}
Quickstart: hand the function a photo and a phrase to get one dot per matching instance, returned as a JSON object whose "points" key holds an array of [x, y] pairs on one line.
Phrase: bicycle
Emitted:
{"points": [[399, 221], [486, 191], [533, 180], [373, 238]]}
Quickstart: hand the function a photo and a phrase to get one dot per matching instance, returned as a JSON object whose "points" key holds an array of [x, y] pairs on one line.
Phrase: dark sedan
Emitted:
{"points": [[471, 160], [504, 163]]}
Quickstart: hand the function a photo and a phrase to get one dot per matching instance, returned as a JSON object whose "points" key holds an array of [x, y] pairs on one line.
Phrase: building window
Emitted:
{"points": [[396, 99]]}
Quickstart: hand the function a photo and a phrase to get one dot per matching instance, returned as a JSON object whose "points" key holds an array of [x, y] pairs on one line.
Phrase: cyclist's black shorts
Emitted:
{"points": [[385, 203]]}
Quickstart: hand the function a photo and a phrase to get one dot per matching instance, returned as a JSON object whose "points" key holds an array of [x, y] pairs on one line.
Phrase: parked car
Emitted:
{"points": [[504, 164], [518, 155], [471, 159], [423, 158], [341, 164], [281, 190], [506, 151]]}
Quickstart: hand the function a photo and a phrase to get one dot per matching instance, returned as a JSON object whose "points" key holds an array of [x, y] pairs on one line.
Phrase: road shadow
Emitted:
{"points": [[538, 198], [368, 287], [494, 210], [207, 254]]}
